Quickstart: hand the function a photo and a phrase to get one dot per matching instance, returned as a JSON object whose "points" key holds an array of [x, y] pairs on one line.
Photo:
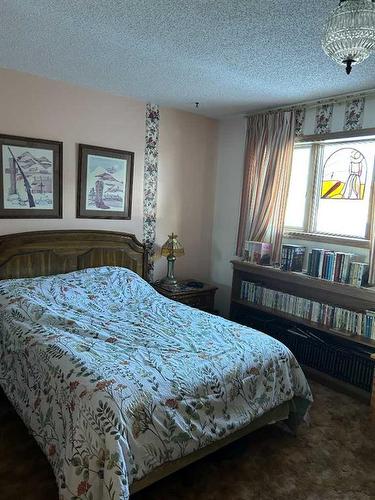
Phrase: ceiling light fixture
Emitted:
{"points": [[349, 32]]}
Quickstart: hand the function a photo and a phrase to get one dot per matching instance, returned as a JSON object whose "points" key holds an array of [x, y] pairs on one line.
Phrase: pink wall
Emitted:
{"points": [[186, 188], [37, 107]]}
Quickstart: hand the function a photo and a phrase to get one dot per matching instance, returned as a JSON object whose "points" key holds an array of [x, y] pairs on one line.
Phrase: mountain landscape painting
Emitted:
{"points": [[30, 178], [105, 187], [27, 178], [105, 179]]}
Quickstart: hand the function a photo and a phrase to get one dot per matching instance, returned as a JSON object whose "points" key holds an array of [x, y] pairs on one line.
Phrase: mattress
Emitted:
{"points": [[114, 379]]}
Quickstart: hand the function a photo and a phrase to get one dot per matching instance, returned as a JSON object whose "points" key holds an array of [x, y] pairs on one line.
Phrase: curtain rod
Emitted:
{"points": [[311, 104]]}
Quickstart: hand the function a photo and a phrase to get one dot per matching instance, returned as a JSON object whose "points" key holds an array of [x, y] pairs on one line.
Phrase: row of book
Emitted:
{"points": [[345, 320], [325, 264], [336, 266]]}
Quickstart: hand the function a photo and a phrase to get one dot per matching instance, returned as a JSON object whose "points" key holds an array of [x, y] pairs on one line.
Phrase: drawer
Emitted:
{"points": [[203, 302]]}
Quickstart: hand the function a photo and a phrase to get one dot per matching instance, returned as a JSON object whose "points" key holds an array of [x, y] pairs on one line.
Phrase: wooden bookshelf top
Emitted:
{"points": [[331, 292]]}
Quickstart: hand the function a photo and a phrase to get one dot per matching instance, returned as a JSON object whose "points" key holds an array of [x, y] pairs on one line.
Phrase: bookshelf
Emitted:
{"points": [[359, 350], [328, 292], [355, 338]]}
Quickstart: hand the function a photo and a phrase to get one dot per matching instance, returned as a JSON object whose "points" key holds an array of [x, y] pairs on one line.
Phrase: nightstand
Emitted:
{"points": [[201, 298]]}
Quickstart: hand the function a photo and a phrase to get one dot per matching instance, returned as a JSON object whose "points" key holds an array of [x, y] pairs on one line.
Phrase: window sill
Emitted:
{"points": [[326, 238]]}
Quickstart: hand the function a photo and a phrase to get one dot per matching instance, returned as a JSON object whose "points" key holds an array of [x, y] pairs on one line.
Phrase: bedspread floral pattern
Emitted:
{"points": [[113, 379]]}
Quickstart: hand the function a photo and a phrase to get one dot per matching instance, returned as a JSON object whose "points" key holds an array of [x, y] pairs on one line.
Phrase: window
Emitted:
{"points": [[330, 188]]}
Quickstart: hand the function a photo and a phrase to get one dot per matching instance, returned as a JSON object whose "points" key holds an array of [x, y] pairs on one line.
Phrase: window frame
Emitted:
{"points": [[308, 232]]}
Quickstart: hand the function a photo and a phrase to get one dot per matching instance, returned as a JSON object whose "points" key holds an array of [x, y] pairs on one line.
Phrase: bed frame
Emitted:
{"points": [[45, 253], [42, 253]]}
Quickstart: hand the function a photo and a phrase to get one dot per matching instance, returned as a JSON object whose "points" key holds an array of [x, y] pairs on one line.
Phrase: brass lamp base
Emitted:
{"points": [[169, 282], [170, 279]]}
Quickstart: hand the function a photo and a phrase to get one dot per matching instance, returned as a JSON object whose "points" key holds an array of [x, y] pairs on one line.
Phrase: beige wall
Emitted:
{"points": [[37, 107], [231, 145], [186, 189]]}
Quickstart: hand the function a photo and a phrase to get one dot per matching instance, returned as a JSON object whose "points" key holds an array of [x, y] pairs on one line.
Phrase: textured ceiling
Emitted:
{"points": [[230, 55]]}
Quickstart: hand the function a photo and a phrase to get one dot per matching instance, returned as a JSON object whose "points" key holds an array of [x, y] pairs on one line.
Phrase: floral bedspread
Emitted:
{"points": [[113, 379]]}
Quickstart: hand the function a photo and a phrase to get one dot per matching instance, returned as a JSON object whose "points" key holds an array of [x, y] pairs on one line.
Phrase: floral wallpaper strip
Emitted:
{"points": [[299, 121], [323, 118], [150, 182], [354, 114]]}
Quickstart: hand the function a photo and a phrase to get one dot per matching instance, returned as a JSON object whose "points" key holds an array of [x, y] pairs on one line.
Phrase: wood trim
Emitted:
{"points": [[365, 132], [327, 238], [44, 253], [279, 413]]}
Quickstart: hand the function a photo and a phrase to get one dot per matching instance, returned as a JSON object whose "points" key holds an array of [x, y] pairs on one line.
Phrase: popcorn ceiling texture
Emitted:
{"points": [[231, 56]]}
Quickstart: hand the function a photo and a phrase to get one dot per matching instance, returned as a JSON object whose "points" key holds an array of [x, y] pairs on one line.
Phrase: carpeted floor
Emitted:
{"points": [[334, 458]]}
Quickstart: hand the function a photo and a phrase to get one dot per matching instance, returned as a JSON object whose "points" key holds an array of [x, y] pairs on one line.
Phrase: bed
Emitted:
{"points": [[119, 385]]}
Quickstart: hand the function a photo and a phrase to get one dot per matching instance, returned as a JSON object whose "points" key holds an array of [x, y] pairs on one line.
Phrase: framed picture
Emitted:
{"points": [[105, 178], [30, 178]]}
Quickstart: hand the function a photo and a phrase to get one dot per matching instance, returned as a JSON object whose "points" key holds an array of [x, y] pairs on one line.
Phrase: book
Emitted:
{"points": [[316, 264], [292, 257], [258, 252], [368, 325], [358, 274]]}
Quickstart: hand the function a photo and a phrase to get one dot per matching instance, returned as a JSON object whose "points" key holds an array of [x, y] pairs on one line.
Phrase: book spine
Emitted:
{"points": [[309, 259], [337, 267], [320, 263], [344, 320]]}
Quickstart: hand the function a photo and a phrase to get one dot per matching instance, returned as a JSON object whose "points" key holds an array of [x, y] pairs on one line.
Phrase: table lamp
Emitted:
{"points": [[171, 249]]}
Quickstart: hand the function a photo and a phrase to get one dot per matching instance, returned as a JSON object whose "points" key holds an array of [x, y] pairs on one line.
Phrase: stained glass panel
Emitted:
{"points": [[347, 170], [344, 175]]}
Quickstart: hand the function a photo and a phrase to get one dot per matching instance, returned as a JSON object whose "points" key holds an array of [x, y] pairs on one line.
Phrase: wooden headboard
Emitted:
{"points": [[42, 253]]}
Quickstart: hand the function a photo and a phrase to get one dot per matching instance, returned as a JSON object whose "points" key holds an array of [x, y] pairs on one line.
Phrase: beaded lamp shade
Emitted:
{"points": [[349, 32]]}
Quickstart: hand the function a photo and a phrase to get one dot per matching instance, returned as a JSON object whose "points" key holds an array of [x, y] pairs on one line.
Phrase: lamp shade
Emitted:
{"points": [[172, 247], [349, 33]]}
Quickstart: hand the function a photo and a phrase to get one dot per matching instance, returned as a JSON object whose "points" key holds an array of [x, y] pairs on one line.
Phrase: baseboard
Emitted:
{"points": [[337, 385]]}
